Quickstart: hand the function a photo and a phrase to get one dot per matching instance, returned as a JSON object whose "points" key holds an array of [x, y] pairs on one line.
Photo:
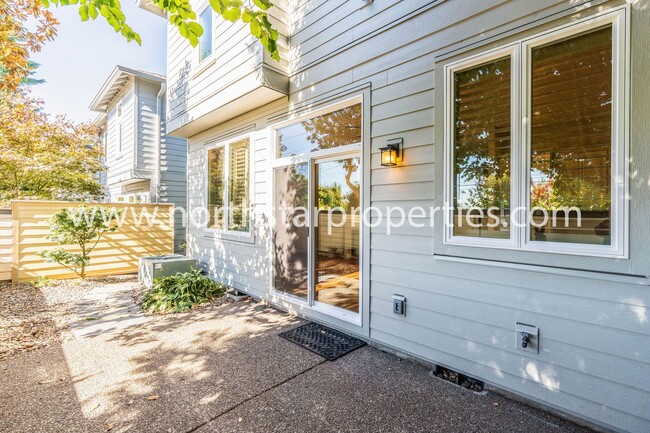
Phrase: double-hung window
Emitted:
{"points": [[536, 143], [228, 186]]}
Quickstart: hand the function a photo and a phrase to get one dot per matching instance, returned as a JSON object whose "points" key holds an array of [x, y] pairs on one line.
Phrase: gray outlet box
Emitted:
{"points": [[163, 266], [527, 337], [399, 305]]}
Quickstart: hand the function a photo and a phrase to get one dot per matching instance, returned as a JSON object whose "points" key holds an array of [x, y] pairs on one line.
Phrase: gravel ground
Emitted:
{"points": [[33, 317]]}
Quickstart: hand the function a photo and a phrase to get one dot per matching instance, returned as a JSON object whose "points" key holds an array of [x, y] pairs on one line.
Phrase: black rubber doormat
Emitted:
{"points": [[326, 342]]}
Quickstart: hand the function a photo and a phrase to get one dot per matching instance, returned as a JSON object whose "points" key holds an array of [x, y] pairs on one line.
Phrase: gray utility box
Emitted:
{"points": [[153, 267]]}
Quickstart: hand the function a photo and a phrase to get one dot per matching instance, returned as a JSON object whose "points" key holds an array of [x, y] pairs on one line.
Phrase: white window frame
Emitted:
{"points": [[202, 64], [119, 114], [225, 232], [520, 138], [311, 159]]}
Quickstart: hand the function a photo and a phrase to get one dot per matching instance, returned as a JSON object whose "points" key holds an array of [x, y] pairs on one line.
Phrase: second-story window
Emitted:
{"points": [[119, 128], [205, 41]]}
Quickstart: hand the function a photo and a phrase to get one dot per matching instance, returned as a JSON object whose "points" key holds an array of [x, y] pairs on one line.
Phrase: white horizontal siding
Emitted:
{"points": [[243, 265], [119, 163], [236, 55]]}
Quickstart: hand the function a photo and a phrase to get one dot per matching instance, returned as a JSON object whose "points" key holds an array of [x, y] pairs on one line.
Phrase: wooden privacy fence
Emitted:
{"points": [[116, 253], [5, 244], [342, 236]]}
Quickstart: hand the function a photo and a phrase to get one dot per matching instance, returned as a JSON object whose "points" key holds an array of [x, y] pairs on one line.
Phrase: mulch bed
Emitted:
{"points": [[31, 317]]}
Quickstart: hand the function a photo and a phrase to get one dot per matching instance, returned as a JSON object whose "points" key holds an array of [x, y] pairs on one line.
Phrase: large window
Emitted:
{"points": [[228, 178], [536, 143], [205, 40]]}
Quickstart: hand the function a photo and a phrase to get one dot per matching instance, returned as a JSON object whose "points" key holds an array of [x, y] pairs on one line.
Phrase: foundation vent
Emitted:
{"points": [[458, 379]]}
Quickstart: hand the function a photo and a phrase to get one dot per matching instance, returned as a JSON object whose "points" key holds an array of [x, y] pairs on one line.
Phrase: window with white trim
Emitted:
{"points": [[205, 40], [536, 143], [119, 129], [228, 186]]}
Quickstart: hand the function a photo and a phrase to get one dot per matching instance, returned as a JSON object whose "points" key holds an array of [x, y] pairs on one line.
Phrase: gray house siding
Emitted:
{"points": [[150, 162], [120, 162], [243, 265], [148, 124], [173, 180], [164, 151], [237, 70], [594, 358]]}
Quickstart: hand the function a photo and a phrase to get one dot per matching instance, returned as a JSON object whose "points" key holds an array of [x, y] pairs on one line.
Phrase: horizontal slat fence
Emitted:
{"points": [[116, 253], [5, 244]]}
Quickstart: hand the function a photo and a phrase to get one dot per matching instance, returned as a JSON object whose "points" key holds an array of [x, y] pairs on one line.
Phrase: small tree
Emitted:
{"points": [[80, 226]]}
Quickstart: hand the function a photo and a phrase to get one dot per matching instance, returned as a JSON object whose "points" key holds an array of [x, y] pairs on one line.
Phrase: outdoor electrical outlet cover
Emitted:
{"points": [[533, 335], [399, 305]]}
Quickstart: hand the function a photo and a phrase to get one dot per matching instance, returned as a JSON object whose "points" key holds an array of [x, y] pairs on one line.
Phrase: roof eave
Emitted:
{"points": [[149, 6], [117, 80]]}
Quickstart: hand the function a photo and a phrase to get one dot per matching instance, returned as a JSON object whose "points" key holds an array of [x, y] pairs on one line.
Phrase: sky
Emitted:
{"points": [[79, 60]]}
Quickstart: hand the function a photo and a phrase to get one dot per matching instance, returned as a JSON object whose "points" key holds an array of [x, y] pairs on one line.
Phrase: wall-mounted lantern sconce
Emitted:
{"points": [[392, 153]]}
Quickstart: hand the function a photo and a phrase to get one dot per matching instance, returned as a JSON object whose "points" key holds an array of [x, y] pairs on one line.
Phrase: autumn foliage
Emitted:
{"points": [[25, 25], [43, 158]]}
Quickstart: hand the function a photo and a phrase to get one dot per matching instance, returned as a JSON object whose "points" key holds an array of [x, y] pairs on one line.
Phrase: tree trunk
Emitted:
{"points": [[82, 272]]}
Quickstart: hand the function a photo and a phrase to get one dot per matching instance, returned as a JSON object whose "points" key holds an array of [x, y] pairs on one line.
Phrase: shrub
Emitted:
{"points": [[180, 292]]}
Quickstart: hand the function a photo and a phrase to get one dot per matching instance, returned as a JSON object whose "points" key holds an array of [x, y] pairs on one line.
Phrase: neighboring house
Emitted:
{"points": [[102, 137], [144, 164], [529, 104]]}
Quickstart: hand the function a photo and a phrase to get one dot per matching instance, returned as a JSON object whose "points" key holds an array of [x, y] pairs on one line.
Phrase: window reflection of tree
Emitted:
{"points": [[339, 128], [215, 186], [291, 241], [572, 121], [571, 133], [482, 135]]}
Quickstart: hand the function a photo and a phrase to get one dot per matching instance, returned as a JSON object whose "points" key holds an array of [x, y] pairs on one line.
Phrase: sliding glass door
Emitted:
{"points": [[336, 240], [291, 230], [317, 211]]}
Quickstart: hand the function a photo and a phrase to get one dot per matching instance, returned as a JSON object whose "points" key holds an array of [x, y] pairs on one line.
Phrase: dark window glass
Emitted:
{"points": [[482, 118], [571, 139]]}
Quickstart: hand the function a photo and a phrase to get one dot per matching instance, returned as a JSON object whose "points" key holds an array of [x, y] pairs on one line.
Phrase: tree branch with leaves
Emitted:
{"points": [[181, 14], [25, 25]]}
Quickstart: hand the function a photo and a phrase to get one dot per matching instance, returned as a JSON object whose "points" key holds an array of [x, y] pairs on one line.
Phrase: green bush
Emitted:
{"points": [[180, 292]]}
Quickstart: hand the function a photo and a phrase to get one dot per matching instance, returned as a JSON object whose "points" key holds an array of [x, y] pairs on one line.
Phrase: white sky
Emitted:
{"points": [[76, 64]]}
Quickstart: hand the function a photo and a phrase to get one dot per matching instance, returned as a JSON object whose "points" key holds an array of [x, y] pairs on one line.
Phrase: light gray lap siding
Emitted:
{"points": [[594, 360], [168, 153]]}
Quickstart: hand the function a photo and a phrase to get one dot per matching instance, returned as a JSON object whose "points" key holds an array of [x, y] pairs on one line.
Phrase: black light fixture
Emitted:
{"points": [[392, 152]]}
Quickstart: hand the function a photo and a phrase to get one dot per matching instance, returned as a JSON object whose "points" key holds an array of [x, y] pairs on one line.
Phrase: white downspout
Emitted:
{"points": [[163, 87]]}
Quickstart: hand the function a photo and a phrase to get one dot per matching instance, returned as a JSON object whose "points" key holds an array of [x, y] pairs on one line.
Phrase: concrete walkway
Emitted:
{"points": [[226, 370], [106, 308]]}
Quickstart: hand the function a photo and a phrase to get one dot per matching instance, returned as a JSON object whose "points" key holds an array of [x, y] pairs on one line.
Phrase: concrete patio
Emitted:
{"points": [[225, 369]]}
